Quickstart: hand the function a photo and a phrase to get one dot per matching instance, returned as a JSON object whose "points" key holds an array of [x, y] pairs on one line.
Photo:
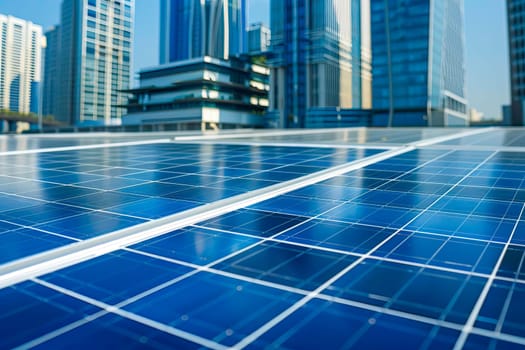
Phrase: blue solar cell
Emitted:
{"points": [[115, 332], [465, 226], [325, 325], [8, 202], [214, 307], [337, 235], [228, 172], [204, 194], [35, 311], [274, 175], [117, 171], [371, 215], [89, 225], [417, 187], [513, 263], [442, 251], [353, 180], [397, 199], [153, 175], [153, 208], [102, 200], [503, 309], [519, 233], [20, 243], [155, 189], [24, 186], [60, 192], [39, 214], [285, 264], [475, 342], [296, 205], [111, 184], [73, 178], [254, 222], [195, 245], [320, 191], [195, 180], [245, 184], [414, 290], [116, 277]]}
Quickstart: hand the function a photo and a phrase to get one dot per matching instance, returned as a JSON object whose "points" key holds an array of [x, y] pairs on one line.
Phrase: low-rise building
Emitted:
{"points": [[200, 93]]}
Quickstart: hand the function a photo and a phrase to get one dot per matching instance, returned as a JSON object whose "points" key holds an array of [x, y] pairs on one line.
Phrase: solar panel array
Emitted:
{"points": [[348, 238]]}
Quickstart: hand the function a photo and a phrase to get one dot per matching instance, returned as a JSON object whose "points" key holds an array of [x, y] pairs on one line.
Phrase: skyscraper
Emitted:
{"points": [[320, 58], [418, 63], [21, 46], [49, 88], [94, 56], [198, 28], [516, 33]]}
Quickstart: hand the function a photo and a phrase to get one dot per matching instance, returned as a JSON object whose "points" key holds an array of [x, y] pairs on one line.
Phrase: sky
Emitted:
{"points": [[486, 56]]}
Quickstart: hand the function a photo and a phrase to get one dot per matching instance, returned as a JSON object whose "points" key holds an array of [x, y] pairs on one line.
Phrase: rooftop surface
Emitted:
{"points": [[335, 238]]}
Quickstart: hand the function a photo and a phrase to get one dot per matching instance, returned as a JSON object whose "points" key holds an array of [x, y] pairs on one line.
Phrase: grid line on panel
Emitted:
{"points": [[106, 243], [386, 185], [116, 310], [93, 200], [265, 328], [475, 311]]}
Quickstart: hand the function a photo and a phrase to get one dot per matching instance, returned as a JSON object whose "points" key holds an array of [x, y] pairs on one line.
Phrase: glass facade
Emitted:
{"points": [[320, 58], [50, 71], [21, 45], [195, 28], [516, 32], [95, 55], [418, 63]]}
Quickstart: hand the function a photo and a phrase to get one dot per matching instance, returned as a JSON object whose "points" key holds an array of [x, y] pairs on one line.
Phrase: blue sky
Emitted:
{"points": [[485, 31]]}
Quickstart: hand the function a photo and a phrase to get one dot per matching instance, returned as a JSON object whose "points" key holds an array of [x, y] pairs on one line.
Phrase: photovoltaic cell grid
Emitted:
{"points": [[53, 199], [422, 250]]}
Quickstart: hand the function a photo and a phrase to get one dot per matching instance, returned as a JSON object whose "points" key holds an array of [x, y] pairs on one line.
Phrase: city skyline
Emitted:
{"points": [[487, 70]]}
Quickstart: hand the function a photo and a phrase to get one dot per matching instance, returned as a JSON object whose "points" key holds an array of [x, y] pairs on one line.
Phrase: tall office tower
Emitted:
{"points": [[516, 33], [94, 57], [418, 63], [320, 59], [258, 38], [197, 28], [49, 88], [21, 46]]}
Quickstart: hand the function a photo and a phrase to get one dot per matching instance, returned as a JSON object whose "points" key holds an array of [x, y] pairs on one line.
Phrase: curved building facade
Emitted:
{"points": [[198, 28]]}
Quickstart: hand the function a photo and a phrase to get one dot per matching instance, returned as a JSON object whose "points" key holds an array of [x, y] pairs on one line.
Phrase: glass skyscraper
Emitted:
{"points": [[516, 32], [198, 28], [320, 58], [51, 70], [94, 57], [418, 63], [21, 45]]}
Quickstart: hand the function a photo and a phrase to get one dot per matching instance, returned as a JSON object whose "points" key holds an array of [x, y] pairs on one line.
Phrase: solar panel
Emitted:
{"points": [[222, 242]]}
